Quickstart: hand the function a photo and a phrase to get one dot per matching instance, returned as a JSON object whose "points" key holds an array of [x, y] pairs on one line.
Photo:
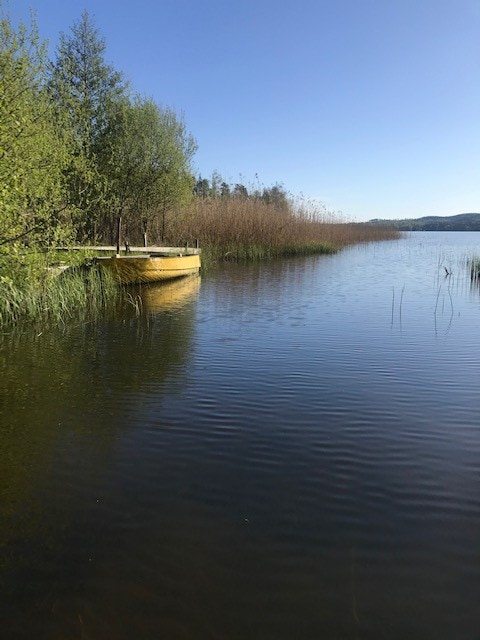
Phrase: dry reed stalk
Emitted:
{"points": [[251, 225]]}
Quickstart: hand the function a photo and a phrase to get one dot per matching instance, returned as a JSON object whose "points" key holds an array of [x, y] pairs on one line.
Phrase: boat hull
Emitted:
{"points": [[143, 269]]}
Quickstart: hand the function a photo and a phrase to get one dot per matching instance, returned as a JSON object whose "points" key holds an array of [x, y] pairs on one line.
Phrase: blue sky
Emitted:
{"points": [[371, 107]]}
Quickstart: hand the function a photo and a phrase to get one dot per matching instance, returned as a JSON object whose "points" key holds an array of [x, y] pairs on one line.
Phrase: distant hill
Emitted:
{"points": [[460, 222]]}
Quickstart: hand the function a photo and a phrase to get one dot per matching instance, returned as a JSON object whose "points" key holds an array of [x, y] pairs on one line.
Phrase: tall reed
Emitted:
{"points": [[250, 229], [79, 293]]}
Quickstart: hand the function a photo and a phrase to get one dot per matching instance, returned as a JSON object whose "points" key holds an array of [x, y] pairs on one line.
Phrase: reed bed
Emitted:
{"points": [[79, 293], [250, 229]]}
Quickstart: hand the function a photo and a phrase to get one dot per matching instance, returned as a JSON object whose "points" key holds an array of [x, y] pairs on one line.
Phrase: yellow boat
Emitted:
{"points": [[150, 268]]}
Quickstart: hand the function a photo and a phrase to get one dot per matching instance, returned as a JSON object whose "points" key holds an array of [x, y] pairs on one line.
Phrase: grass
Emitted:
{"points": [[241, 252], [32, 293]]}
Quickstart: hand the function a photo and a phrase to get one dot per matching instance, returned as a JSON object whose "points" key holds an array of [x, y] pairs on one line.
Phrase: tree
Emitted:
{"points": [[202, 187], [84, 87], [145, 161], [32, 153], [175, 175], [240, 191], [225, 190], [216, 181], [276, 196]]}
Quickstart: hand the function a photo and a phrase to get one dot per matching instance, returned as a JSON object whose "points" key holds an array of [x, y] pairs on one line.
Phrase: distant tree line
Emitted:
{"points": [[217, 187], [459, 222]]}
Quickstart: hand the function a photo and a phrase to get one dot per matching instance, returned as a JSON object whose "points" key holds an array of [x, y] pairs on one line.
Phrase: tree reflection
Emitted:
{"points": [[66, 399]]}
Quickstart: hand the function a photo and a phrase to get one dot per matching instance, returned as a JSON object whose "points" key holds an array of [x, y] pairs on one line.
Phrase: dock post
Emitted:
{"points": [[119, 229]]}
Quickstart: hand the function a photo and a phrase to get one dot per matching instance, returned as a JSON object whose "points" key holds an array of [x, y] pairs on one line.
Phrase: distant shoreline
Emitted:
{"points": [[460, 222]]}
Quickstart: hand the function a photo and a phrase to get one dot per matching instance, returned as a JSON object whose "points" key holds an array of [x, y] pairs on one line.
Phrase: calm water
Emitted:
{"points": [[282, 451]]}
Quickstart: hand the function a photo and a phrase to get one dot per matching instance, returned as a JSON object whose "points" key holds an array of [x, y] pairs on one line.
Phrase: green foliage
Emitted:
{"points": [[277, 196], [83, 86], [240, 191], [32, 153], [145, 162], [202, 188], [243, 252], [76, 294], [83, 83], [218, 187], [129, 157]]}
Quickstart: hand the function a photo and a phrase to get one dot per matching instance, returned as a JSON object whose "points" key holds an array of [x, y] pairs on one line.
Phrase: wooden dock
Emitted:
{"points": [[192, 251]]}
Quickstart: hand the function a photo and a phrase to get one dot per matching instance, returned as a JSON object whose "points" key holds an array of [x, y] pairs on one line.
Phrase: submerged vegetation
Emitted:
{"points": [[79, 150]]}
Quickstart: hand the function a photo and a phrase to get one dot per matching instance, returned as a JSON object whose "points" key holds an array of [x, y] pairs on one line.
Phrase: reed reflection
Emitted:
{"points": [[67, 398]]}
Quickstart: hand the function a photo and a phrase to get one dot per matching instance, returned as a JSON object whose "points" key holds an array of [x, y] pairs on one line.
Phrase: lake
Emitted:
{"points": [[273, 451]]}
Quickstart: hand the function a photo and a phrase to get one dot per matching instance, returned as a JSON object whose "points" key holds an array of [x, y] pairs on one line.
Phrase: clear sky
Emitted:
{"points": [[371, 107]]}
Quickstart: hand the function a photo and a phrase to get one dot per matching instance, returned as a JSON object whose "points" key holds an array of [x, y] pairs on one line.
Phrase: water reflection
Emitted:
{"points": [[168, 296], [289, 450], [66, 399]]}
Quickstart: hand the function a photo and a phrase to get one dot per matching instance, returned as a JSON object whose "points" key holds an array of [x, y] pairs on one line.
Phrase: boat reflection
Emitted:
{"points": [[169, 296]]}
